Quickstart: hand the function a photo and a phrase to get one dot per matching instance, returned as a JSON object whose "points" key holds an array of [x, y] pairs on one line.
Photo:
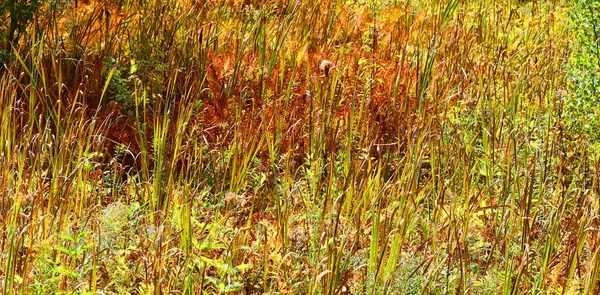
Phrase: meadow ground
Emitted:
{"points": [[299, 147]]}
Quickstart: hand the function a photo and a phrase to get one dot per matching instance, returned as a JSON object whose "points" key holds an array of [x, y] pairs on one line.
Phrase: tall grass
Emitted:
{"points": [[197, 147]]}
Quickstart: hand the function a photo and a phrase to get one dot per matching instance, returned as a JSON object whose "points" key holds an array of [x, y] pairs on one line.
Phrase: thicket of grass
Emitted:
{"points": [[158, 147]]}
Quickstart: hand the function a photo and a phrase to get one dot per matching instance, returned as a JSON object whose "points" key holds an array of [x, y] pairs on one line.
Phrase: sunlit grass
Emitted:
{"points": [[282, 147]]}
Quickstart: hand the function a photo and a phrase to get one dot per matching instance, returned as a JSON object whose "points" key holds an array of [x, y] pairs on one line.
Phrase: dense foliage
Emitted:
{"points": [[288, 147]]}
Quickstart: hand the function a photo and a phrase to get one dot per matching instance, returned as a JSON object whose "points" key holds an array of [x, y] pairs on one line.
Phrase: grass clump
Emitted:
{"points": [[355, 147]]}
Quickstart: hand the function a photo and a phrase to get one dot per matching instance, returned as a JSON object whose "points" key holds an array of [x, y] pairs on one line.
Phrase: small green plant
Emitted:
{"points": [[74, 267]]}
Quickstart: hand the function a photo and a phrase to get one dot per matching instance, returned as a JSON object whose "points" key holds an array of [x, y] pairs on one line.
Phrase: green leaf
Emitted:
{"points": [[64, 271]]}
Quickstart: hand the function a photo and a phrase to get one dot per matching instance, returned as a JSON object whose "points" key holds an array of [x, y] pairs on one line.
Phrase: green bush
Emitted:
{"points": [[18, 13], [583, 102]]}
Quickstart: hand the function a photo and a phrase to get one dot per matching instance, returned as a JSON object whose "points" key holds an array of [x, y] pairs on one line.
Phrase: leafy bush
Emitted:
{"points": [[19, 15], [583, 103]]}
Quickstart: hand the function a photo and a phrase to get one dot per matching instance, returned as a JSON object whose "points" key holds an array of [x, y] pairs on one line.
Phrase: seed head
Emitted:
{"points": [[325, 67]]}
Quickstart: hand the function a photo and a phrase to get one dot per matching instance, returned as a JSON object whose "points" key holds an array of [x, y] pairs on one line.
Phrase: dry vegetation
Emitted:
{"points": [[292, 147]]}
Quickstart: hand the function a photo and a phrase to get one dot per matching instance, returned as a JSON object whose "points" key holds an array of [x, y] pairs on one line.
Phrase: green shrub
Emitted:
{"points": [[583, 102], [19, 14]]}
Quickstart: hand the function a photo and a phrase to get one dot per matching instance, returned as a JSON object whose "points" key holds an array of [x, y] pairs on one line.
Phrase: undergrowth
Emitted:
{"points": [[205, 147]]}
